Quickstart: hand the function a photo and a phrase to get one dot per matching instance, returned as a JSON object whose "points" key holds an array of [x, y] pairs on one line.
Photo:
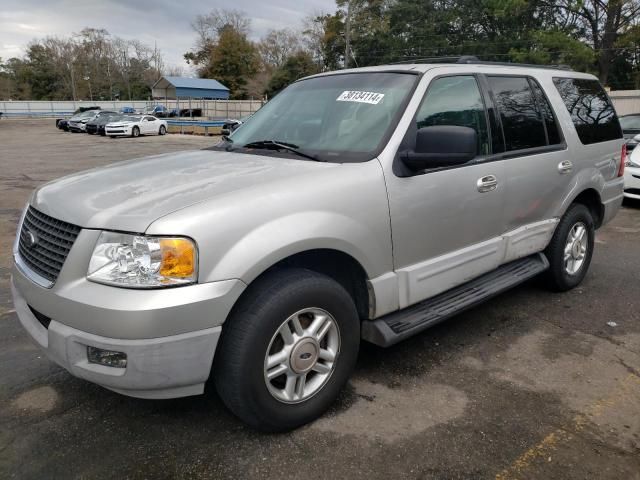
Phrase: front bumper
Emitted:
{"points": [[632, 182], [169, 335], [165, 367], [118, 131]]}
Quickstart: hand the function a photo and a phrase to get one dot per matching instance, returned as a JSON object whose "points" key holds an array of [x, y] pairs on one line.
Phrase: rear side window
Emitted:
{"points": [[455, 101], [521, 123], [590, 109]]}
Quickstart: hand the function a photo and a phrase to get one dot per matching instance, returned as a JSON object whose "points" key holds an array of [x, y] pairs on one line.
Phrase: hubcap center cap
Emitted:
{"points": [[304, 355], [577, 247]]}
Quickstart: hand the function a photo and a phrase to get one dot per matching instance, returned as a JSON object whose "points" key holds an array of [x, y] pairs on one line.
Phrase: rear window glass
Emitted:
{"points": [[521, 123], [590, 109]]}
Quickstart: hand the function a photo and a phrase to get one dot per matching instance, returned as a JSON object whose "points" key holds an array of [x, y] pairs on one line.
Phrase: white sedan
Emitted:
{"points": [[134, 126], [632, 174]]}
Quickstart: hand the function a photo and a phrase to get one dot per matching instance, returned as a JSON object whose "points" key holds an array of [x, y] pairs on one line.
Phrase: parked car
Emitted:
{"points": [[97, 125], [63, 123], [134, 126], [368, 204], [632, 174], [232, 124], [78, 123], [128, 110], [160, 111], [631, 128], [191, 112]]}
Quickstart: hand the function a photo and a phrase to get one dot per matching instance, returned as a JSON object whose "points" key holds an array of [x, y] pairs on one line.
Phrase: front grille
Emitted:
{"points": [[53, 240], [632, 191]]}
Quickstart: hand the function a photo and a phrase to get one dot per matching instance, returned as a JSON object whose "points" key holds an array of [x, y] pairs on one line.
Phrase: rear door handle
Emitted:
{"points": [[565, 166], [487, 183]]}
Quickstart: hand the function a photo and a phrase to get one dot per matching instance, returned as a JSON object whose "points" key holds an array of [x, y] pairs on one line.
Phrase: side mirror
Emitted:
{"points": [[442, 146], [225, 132]]}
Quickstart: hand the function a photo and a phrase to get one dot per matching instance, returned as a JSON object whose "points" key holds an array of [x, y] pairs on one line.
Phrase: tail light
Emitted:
{"points": [[623, 160]]}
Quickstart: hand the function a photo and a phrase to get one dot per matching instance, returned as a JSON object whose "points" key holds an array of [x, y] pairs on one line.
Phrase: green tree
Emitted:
{"points": [[232, 60], [298, 65]]}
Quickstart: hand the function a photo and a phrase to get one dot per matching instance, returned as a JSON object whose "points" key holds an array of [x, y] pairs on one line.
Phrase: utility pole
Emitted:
{"points": [[347, 49]]}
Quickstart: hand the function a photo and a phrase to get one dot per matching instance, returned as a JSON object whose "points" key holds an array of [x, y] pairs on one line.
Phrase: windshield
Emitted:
{"points": [[342, 118], [85, 114], [630, 122]]}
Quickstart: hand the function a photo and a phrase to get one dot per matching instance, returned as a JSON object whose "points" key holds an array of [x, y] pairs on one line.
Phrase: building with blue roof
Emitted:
{"points": [[183, 87]]}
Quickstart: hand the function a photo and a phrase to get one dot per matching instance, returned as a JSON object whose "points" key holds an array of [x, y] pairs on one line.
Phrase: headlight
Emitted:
{"points": [[138, 261]]}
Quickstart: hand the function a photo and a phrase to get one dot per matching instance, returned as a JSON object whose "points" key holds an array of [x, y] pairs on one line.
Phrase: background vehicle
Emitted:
{"points": [[78, 123], [63, 123], [97, 124], [134, 126], [632, 175], [231, 124], [160, 111], [631, 128], [362, 204], [128, 110]]}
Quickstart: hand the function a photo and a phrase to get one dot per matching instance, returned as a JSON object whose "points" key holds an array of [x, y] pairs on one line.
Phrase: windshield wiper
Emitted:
{"points": [[275, 145]]}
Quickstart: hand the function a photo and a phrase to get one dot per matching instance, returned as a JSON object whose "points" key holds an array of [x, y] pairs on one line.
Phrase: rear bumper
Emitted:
{"points": [[164, 367]]}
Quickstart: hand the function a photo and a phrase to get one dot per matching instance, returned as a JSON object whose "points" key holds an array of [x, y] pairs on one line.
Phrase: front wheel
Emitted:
{"points": [[570, 250], [287, 350], [135, 132], [163, 130]]}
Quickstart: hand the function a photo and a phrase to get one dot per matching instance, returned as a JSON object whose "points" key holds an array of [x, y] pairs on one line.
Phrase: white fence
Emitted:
{"points": [[626, 101], [211, 109]]}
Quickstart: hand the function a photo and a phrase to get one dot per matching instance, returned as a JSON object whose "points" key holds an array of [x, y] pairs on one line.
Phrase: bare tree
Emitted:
{"points": [[209, 26], [277, 45]]}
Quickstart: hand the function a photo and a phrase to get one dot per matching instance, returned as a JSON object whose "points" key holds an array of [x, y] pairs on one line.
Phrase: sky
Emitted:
{"points": [[166, 23]]}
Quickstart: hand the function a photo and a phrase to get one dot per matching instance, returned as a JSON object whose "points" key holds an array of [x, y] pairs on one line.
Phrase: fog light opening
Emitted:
{"points": [[108, 358]]}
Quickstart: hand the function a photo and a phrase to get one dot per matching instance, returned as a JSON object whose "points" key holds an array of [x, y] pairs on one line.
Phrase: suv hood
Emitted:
{"points": [[130, 195]]}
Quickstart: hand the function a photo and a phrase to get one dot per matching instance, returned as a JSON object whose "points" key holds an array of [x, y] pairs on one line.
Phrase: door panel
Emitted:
{"points": [[446, 224], [535, 180]]}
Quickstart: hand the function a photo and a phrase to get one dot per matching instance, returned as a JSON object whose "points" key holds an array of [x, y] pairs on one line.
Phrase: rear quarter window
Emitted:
{"points": [[591, 110]]}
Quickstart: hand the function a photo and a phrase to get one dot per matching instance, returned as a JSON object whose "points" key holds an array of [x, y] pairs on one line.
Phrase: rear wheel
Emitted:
{"points": [[570, 250], [135, 132], [287, 349], [163, 130]]}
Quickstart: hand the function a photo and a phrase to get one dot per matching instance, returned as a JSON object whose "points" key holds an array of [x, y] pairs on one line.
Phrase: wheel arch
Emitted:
{"points": [[336, 264], [591, 199]]}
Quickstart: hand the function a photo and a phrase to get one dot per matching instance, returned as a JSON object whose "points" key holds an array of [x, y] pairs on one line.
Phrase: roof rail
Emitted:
{"points": [[473, 60]]}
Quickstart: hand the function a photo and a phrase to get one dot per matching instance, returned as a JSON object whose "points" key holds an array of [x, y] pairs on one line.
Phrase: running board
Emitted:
{"points": [[394, 327]]}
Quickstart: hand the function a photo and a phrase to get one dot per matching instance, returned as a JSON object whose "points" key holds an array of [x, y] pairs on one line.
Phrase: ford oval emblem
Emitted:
{"points": [[31, 238]]}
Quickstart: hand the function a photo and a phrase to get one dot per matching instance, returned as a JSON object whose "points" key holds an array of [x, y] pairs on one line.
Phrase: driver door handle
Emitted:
{"points": [[487, 183], [565, 166]]}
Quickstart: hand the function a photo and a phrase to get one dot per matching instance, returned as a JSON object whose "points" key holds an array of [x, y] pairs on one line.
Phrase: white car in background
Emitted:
{"points": [[134, 126], [632, 173]]}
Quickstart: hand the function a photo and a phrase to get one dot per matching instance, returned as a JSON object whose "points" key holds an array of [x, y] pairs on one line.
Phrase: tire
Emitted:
{"points": [[566, 274], [163, 130], [135, 132], [252, 331]]}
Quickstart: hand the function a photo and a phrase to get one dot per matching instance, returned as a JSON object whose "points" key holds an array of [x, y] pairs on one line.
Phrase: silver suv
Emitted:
{"points": [[362, 204]]}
